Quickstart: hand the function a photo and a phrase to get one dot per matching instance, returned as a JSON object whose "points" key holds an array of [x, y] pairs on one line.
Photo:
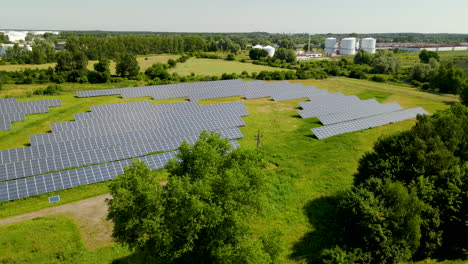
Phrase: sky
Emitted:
{"points": [[274, 16]]}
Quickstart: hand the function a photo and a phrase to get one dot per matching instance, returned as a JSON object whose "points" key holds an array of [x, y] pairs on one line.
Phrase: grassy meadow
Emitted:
{"points": [[459, 58], [217, 67], [304, 172]]}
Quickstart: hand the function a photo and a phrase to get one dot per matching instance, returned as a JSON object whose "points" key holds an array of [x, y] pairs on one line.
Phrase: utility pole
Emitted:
{"points": [[308, 50], [258, 138]]}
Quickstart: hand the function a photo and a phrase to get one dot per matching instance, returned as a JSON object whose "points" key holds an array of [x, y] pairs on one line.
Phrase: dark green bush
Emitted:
{"points": [[50, 90]]}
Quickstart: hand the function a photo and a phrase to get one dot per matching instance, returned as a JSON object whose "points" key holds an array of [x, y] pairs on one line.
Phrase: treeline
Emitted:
{"points": [[409, 201]]}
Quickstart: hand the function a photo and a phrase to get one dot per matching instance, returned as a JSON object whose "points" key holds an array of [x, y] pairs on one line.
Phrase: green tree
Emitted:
{"points": [[200, 215], [127, 65], [449, 79], [38, 55], [425, 55], [285, 54], [158, 70], [385, 62], [363, 57], [64, 62], [256, 54], [101, 72]]}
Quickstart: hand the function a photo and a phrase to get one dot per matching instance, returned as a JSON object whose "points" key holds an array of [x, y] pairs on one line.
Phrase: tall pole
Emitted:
{"points": [[258, 137], [308, 50]]}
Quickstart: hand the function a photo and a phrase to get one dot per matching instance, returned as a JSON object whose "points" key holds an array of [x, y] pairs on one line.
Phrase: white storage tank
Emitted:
{"points": [[331, 45], [270, 50], [348, 46], [257, 47], [368, 44]]}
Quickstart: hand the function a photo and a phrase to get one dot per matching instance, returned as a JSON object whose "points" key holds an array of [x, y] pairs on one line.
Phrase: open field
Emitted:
{"points": [[218, 67], [144, 61], [304, 170], [460, 58]]}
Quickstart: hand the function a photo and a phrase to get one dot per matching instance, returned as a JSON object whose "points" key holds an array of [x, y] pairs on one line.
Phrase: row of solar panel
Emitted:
{"points": [[31, 186], [176, 128], [369, 122], [282, 90], [70, 159], [12, 111], [337, 112]]}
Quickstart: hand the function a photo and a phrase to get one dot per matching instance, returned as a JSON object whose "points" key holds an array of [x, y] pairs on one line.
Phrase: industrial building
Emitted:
{"points": [[349, 46]]}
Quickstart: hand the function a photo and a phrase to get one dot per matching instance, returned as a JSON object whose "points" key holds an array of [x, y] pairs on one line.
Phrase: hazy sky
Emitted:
{"points": [[294, 16]]}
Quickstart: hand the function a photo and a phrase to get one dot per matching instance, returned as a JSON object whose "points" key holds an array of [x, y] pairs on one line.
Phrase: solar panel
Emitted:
{"points": [[365, 123]]}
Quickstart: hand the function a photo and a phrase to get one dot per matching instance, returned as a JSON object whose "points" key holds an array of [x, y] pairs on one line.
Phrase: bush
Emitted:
{"points": [[378, 78], [416, 83], [50, 90], [230, 57]]}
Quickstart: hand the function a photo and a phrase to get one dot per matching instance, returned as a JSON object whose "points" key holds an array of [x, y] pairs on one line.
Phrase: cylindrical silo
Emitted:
{"points": [[348, 46], [331, 45], [368, 44], [270, 50]]}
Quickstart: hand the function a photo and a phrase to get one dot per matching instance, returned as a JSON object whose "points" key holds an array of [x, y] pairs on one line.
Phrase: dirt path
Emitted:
{"points": [[89, 214]]}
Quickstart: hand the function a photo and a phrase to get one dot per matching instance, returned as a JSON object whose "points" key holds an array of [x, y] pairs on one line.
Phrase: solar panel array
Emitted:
{"points": [[343, 114], [25, 187], [279, 91], [13, 111], [105, 139]]}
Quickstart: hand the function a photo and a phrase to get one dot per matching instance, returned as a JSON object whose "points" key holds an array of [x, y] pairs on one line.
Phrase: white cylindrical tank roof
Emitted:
{"points": [[331, 45], [348, 46], [257, 47], [270, 50], [368, 44]]}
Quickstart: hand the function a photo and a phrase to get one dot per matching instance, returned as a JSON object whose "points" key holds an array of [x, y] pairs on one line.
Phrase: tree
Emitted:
{"points": [[158, 70], [285, 54], [64, 62], [102, 72], [425, 55], [363, 57], [449, 79], [200, 215], [256, 54], [385, 62], [38, 56], [127, 65]]}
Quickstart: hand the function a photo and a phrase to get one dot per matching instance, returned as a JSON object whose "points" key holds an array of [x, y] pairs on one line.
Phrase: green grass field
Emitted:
{"points": [[304, 170], [460, 58], [218, 67], [144, 61]]}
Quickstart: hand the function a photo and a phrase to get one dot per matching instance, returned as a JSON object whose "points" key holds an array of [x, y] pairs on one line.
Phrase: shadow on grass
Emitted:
{"points": [[134, 258], [323, 216]]}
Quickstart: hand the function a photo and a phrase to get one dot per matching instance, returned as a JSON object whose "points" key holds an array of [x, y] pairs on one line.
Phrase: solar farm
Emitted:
{"points": [[98, 144]]}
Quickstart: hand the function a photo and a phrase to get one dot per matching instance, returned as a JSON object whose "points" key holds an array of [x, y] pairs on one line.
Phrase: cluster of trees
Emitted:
{"points": [[383, 61], [430, 74], [409, 200], [201, 215], [41, 53], [282, 54]]}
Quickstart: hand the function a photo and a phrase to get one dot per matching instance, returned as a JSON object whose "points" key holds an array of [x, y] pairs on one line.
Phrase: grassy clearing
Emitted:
{"points": [[50, 240], [460, 58], [217, 67], [144, 61], [304, 169]]}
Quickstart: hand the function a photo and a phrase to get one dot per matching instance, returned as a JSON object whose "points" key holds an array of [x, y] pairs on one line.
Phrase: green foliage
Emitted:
{"points": [[102, 72], [426, 55], [363, 57], [256, 54], [158, 71], [385, 62], [449, 79], [285, 54], [50, 90], [127, 65], [201, 214], [172, 63], [378, 78], [431, 160], [230, 57]]}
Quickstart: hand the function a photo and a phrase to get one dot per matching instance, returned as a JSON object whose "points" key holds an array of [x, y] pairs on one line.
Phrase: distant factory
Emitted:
{"points": [[349, 46]]}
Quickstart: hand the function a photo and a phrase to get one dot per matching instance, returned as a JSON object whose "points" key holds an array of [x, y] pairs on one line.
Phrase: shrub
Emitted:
{"points": [[50, 90], [378, 78]]}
